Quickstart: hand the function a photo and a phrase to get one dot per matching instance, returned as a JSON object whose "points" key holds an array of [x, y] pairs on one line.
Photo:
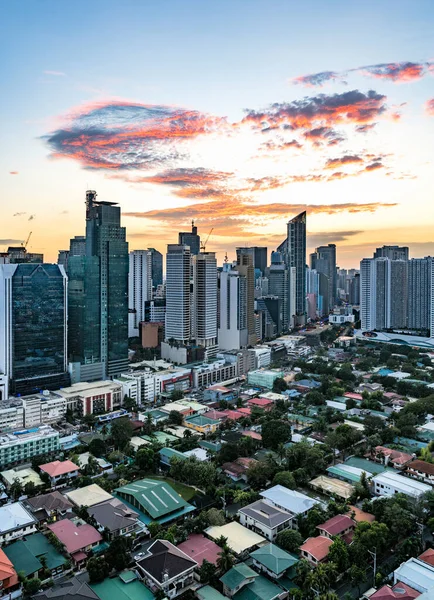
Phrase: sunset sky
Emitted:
{"points": [[237, 114]]}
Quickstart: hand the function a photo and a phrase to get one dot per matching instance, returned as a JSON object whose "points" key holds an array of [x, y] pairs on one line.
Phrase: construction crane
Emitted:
{"points": [[203, 244], [25, 244]]}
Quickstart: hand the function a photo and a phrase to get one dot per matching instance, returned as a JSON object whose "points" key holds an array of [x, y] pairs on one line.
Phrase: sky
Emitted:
{"points": [[236, 114]]}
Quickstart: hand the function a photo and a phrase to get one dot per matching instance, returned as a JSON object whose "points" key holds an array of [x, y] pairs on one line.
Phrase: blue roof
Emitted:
{"points": [[294, 502], [385, 372]]}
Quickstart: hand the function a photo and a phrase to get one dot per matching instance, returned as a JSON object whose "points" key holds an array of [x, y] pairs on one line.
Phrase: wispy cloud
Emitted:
{"points": [[19, 214], [55, 73], [13, 172], [429, 107], [9, 241]]}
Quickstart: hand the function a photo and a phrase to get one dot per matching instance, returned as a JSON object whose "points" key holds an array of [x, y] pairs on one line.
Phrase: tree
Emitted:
{"points": [[97, 568], [206, 571], [154, 528], [117, 554], [121, 432], [30, 489], [145, 459], [215, 517], [275, 432], [32, 586], [258, 474], [225, 560], [97, 447], [279, 385], [228, 453], [175, 417], [176, 395], [92, 467], [89, 420], [357, 576], [338, 554], [15, 491], [315, 398], [245, 498], [289, 540], [285, 478]]}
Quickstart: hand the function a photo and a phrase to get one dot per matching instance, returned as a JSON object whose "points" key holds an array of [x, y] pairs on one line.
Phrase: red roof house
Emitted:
{"points": [[316, 549], [338, 525], [60, 469], [263, 403], [77, 539], [387, 456], [8, 575], [200, 548], [399, 590], [252, 434], [427, 556]]}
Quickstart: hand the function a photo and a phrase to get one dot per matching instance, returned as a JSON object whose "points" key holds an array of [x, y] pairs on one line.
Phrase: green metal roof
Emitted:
{"points": [[209, 445], [156, 498], [347, 475], [366, 465], [274, 558], [116, 588], [171, 452], [25, 554], [260, 589], [160, 436], [201, 420], [237, 575], [207, 592]]}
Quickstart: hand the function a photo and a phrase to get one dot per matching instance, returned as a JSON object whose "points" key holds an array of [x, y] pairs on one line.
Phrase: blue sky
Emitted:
{"points": [[217, 59]]}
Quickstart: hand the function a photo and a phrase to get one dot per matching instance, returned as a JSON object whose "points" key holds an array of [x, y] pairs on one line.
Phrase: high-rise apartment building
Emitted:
{"points": [[293, 249], [204, 302], [323, 260], [139, 288], [258, 254], [232, 317], [33, 327], [392, 252], [156, 267], [383, 294], [420, 298], [278, 286], [190, 239], [354, 290], [98, 296], [77, 247], [178, 293], [245, 268]]}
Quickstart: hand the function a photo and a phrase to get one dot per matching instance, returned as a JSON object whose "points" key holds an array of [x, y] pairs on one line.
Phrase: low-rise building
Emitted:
{"points": [[416, 573], [421, 470], [103, 465], [26, 556], [390, 457], [115, 517], [9, 581], [15, 522], [78, 538], [262, 403], [22, 476], [201, 424], [237, 470], [213, 372], [69, 589], [242, 583], [88, 495], [288, 500], [166, 568], [339, 525], [23, 445], [264, 378], [239, 539], [316, 549], [274, 561], [92, 398], [200, 548], [388, 484], [48, 506], [265, 518], [332, 486], [166, 455], [59, 471]]}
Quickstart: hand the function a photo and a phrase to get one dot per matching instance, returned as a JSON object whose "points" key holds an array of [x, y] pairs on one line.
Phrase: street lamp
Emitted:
{"points": [[374, 554]]}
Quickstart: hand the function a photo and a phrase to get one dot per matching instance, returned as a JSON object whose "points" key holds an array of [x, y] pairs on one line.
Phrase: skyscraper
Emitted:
{"points": [[258, 254], [33, 327], [278, 285], [392, 252], [156, 267], [383, 294], [293, 249], [98, 296], [245, 268], [139, 288], [420, 276], [204, 306], [232, 318], [323, 260], [178, 293], [190, 239]]}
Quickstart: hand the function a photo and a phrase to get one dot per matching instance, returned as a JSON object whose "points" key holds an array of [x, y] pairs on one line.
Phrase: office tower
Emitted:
{"points": [[270, 311], [77, 245], [420, 272], [261, 286], [293, 249], [392, 252], [156, 267], [383, 294], [98, 296], [204, 305], [178, 293], [323, 260], [190, 239], [232, 322], [62, 259], [258, 254], [245, 267], [354, 291], [18, 255], [155, 310], [139, 288], [33, 327], [278, 285]]}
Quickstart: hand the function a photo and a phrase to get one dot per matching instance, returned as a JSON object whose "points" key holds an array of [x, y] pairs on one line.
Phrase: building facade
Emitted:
{"points": [[178, 293], [293, 249], [139, 288], [232, 317], [204, 302]]}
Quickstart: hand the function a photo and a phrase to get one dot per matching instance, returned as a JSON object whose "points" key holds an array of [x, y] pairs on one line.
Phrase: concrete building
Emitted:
{"points": [[92, 398], [263, 378], [232, 322], [204, 302], [178, 294], [245, 268], [21, 446], [420, 295], [323, 261], [392, 252], [259, 257], [293, 249], [33, 327], [139, 288], [214, 372], [15, 522], [151, 384], [190, 239], [156, 268], [265, 518], [388, 484]]}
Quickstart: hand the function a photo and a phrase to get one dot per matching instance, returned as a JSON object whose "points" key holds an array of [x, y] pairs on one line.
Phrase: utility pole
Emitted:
{"points": [[374, 554]]}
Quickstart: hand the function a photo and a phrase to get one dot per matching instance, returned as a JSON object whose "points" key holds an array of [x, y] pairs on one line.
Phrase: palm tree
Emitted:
{"points": [[225, 560], [187, 433]]}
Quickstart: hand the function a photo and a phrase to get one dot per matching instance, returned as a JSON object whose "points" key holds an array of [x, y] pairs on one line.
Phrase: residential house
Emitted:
{"points": [[78, 538], [15, 522], [69, 589], [200, 548], [199, 453], [339, 525], [265, 518], [274, 561], [389, 457], [288, 500], [22, 475], [399, 591], [28, 554], [421, 470], [316, 549], [262, 403], [8, 576], [103, 465], [49, 506], [237, 470], [417, 574], [236, 578], [242, 583], [60, 471], [239, 539], [166, 568], [115, 517], [388, 484], [202, 424], [166, 455], [88, 495]]}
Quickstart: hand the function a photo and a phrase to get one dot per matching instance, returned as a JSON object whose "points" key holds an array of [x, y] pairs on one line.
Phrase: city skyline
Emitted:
{"points": [[239, 146]]}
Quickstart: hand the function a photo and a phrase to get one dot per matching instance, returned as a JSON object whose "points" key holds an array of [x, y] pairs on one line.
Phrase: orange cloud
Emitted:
{"points": [[429, 107]]}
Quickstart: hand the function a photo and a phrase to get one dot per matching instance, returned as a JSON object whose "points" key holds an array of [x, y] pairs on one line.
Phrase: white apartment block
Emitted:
{"points": [[214, 372], [139, 288], [95, 397]]}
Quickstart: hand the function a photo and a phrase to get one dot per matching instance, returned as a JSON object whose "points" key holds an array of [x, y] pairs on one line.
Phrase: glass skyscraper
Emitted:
{"points": [[98, 295], [293, 249], [33, 327]]}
